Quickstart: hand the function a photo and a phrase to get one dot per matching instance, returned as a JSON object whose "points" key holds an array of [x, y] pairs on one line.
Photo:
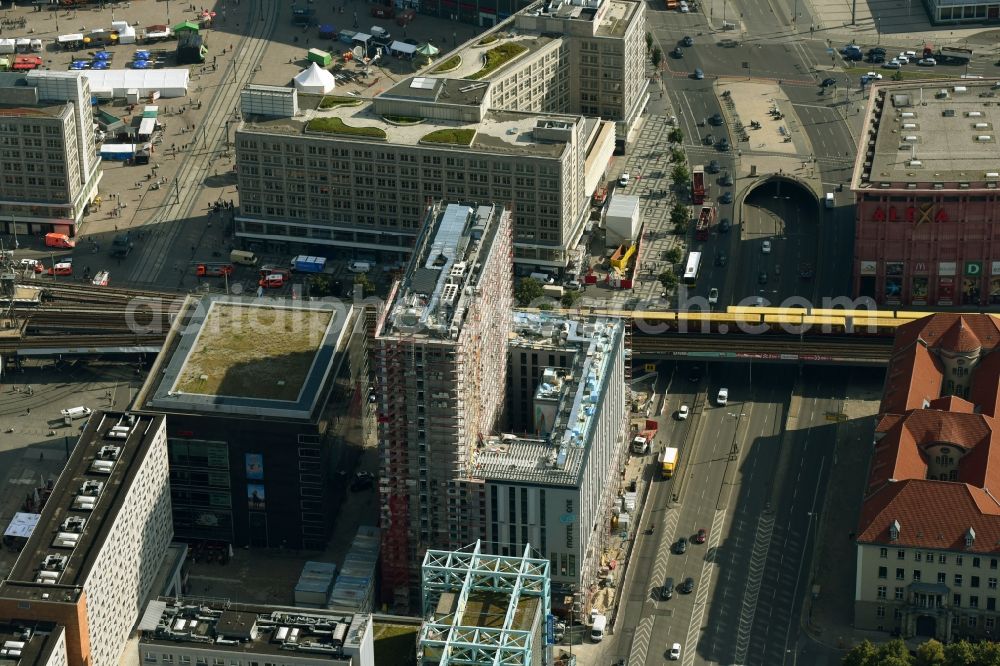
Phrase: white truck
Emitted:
{"points": [[598, 628]]}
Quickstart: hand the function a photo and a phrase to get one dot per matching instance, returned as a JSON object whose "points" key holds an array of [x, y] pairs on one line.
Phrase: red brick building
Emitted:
{"points": [[927, 219]]}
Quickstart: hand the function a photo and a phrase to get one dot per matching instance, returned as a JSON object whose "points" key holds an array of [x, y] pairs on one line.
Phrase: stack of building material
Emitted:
{"points": [[315, 584], [355, 588]]}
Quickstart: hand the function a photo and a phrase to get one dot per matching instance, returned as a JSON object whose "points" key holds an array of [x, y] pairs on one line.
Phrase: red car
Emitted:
{"points": [[213, 270], [274, 270], [272, 281], [61, 269], [701, 536]]}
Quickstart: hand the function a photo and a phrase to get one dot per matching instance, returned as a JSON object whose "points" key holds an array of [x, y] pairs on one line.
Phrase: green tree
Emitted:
{"points": [[988, 652], [528, 290], [930, 653], [657, 57], [960, 654], [897, 76], [894, 653], [667, 279], [864, 654], [674, 255], [681, 228], [680, 175], [649, 41], [320, 285], [367, 287], [680, 214], [677, 155], [570, 298], [676, 135]]}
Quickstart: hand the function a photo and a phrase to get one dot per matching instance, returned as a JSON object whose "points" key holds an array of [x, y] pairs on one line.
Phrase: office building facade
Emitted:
{"points": [[440, 361], [98, 545], [49, 171], [927, 213]]}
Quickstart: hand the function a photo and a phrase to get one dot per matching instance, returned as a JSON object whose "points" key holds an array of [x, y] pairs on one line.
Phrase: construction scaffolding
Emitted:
{"points": [[466, 585]]}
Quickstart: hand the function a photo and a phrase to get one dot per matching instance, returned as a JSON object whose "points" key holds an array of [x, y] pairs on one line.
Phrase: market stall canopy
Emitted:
{"points": [[403, 47], [428, 49], [315, 79], [186, 25]]}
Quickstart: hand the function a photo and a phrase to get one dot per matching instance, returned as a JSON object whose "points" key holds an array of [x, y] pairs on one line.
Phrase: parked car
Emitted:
{"points": [[902, 59], [723, 144], [573, 285], [708, 140], [926, 62], [726, 198], [722, 397], [624, 179], [713, 296], [32, 265], [715, 119], [892, 64], [765, 247], [726, 180], [61, 268], [877, 58], [684, 7], [701, 536], [687, 587]]}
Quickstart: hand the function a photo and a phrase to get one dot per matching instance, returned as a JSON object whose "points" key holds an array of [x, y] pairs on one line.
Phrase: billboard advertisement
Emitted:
{"points": [[256, 497], [254, 466]]}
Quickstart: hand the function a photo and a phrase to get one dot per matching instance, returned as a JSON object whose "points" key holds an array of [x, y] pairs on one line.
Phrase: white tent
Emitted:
{"points": [[315, 79], [116, 82]]}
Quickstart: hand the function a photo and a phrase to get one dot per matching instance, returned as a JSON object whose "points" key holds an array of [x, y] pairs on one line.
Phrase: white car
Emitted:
{"points": [[722, 399], [713, 296], [926, 62], [624, 178], [683, 412], [766, 247], [684, 8], [675, 652], [874, 76], [910, 54], [902, 59], [892, 64], [32, 265]]}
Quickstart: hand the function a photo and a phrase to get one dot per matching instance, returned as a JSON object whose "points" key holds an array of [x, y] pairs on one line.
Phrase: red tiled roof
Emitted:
{"points": [[913, 376], [916, 374], [959, 337], [984, 390], [952, 403], [931, 514]]}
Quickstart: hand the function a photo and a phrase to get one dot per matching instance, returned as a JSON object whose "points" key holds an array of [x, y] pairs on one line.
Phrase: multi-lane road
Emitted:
{"points": [[753, 474]]}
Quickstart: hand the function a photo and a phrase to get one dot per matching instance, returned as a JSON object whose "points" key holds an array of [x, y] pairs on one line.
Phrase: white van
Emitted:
{"points": [[243, 257], [359, 266], [597, 630], [829, 200], [74, 413], [544, 278]]}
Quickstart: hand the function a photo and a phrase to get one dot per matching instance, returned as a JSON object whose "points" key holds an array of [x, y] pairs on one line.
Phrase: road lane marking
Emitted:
{"points": [[640, 642], [704, 585], [755, 574]]}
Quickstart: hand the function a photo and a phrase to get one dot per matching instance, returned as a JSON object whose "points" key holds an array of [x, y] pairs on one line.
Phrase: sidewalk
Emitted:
{"points": [[828, 614]]}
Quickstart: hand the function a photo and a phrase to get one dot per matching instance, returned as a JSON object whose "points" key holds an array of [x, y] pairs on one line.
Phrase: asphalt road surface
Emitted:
{"points": [[757, 494]]}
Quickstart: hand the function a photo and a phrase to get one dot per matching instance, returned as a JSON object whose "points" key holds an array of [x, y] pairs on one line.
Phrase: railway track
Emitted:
{"points": [[870, 351], [94, 342]]}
